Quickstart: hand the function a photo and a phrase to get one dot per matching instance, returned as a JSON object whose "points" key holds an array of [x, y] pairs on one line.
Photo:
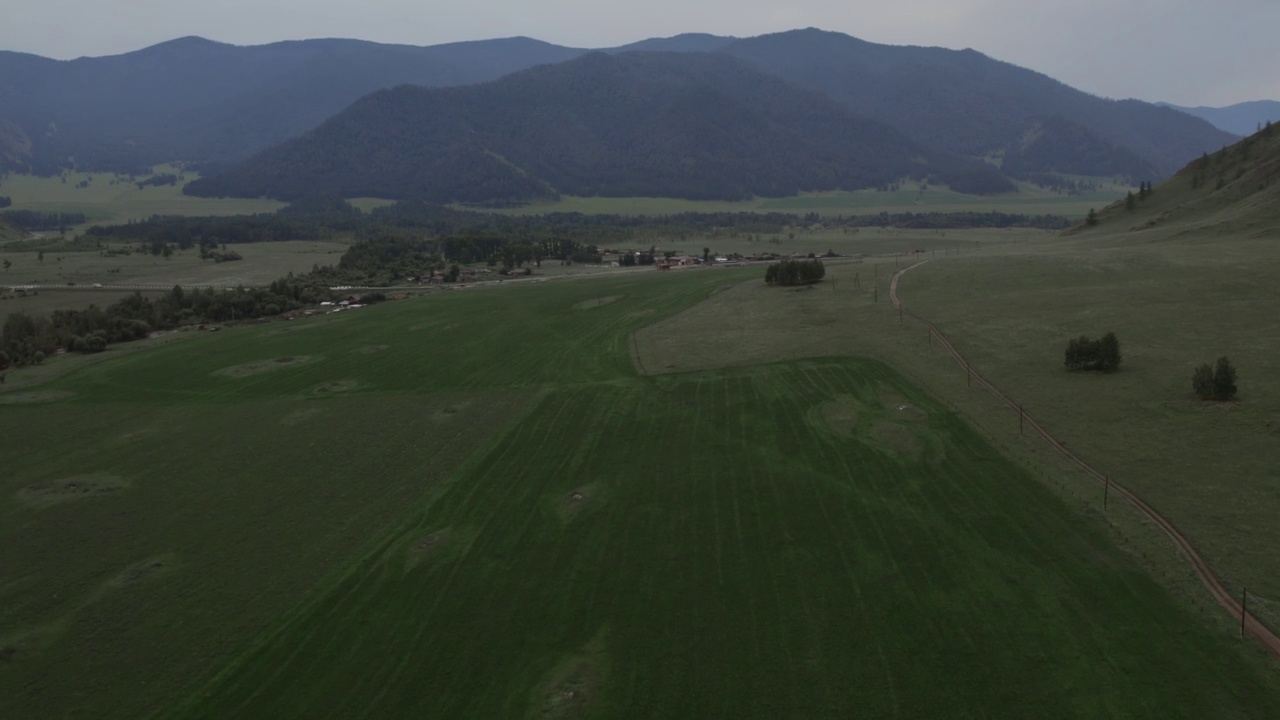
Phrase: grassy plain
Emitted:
{"points": [[262, 263], [111, 199], [1029, 200], [472, 505]]}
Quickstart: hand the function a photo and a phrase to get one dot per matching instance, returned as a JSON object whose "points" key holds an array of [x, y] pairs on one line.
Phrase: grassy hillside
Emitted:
{"points": [[471, 505], [1235, 189]]}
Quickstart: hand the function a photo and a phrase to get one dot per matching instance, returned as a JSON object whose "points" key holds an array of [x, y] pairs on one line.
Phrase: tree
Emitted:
{"points": [[1108, 353], [1224, 380], [706, 254], [8, 264], [1092, 218], [1130, 202], [1202, 381]]}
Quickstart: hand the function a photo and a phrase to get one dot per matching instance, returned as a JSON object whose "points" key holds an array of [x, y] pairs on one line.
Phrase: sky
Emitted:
{"points": [[1187, 52]]}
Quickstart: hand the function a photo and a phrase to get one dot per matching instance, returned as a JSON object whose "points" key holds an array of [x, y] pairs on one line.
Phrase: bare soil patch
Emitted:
{"points": [[841, 415], [899, 407], [261, 366], [574, 502], [597, 302], [336, 387], [448, 412], [64, 490], [300, 416], [572, 685], [144, 571], [898, 438], [425, 547]]}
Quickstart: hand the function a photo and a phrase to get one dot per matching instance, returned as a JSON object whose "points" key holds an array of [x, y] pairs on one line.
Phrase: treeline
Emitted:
{"points": [[470, 235], [389, 259], [795, 272], [28, 339], [956, 220], [189, 232], [33, 220]]}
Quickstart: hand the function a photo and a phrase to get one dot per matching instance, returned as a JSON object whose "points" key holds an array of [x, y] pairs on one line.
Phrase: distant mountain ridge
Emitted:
{"points": [[214, 104], [968, 103], [690, 125], [201, 101], [1241, 119]]}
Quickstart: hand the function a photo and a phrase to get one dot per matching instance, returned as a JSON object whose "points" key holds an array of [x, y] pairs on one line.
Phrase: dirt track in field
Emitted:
{"points": [[1202, 570]]}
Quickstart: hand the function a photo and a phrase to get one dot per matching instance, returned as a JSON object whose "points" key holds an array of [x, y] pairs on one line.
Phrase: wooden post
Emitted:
{"points": [[1244, 611]]}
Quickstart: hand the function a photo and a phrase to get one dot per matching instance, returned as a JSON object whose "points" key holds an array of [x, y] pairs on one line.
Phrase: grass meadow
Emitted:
{"points": [[507, 502]]}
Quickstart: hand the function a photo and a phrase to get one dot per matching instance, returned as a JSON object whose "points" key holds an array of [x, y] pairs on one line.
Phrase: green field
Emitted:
{"points": [[471, 504], [1029, 200]]}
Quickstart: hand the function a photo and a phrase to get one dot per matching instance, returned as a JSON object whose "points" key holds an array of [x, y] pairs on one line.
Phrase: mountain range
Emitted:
{"points": [[1242, 118], [217, 105]]}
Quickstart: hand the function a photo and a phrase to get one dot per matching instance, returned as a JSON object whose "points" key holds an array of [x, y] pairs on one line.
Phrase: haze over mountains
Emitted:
{"points": [[217, 105], [1241, 118]]}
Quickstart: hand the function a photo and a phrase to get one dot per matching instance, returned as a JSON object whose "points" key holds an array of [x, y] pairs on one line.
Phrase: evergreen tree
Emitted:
{"points": [[1092, 218], [1130, 202], [1224, 380]]}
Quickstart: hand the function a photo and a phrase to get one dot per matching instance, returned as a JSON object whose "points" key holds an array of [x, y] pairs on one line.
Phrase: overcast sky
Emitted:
{"points": [[1188, 52]]}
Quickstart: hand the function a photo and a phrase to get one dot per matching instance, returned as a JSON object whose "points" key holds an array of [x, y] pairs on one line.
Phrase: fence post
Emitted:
{"points": [[1244, 611]]}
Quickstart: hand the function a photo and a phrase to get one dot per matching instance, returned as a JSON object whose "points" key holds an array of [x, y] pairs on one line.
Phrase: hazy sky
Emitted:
{"points": [[1188, 52]]}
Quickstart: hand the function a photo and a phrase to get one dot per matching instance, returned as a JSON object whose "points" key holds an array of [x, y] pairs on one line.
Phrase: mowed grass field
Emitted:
{"points": [[471, 504]]}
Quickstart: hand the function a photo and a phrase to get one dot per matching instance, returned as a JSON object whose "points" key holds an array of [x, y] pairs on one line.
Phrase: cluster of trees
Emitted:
{"points": [[1131, 200], [33, 220], [1102, 354], [795, 272], [1217, 382]]}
